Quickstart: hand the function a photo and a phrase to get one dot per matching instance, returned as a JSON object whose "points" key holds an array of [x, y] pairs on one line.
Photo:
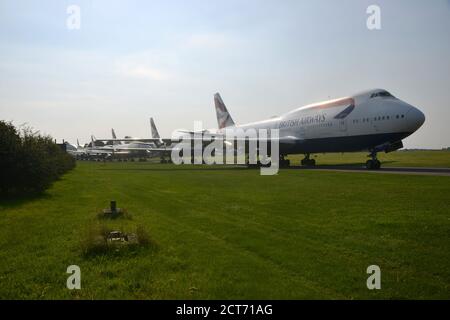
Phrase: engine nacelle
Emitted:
{"points": [[389, 147]]}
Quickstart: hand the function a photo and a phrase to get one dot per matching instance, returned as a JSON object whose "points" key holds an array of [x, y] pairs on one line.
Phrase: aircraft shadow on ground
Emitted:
{"points": [[235, 167], [203, 167], [339, 165]]}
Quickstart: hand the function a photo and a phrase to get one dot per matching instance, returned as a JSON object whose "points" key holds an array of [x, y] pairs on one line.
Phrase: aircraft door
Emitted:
{"points": [[302, 132], [343, 125], [374, 124]]}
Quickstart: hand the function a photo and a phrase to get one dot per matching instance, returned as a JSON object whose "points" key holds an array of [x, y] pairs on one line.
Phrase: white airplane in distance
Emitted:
{"points": [[373, 120], [76, 151], [94, 150], [137, 145], [112, 141]]}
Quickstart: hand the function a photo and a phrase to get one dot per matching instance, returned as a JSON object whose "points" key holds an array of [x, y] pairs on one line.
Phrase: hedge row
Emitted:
{"points": [[29, 162]]}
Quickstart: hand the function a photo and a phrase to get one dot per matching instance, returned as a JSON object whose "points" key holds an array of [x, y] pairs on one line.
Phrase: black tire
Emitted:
{"points": [[285, 163], [377, 164], [369, 164], [312, 162]]}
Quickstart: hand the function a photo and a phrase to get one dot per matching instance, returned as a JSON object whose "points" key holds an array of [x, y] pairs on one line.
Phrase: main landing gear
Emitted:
{"points": [[374, 163], [284, 163], [163, 160], [307, 161]]}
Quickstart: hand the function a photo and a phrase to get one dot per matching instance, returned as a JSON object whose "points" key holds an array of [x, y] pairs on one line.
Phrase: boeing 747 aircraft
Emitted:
{"points": [[372, 121]]}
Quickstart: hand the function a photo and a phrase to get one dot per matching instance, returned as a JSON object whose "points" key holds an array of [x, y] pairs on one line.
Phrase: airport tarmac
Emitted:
{"points": [[392, 170]]}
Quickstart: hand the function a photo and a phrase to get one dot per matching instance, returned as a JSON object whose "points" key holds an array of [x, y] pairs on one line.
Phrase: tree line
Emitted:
{"points": [[29, 161]]}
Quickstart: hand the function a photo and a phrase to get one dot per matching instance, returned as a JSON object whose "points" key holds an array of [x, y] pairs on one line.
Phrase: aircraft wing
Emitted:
{"points": [[282, 140], [170, 141], [205, 133], [140, 149], [131, 139]]}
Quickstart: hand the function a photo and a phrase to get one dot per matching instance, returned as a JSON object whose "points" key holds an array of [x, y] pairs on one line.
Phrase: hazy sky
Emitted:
{"points": [[135, 59]]}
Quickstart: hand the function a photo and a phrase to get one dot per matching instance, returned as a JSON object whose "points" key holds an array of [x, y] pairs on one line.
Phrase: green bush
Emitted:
{"points": [[29, 162]]}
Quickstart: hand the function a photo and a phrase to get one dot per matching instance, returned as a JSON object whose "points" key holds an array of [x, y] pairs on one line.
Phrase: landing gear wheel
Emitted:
{"points": [[373, 164], [308, 162], [284, 163], [377, 164]]}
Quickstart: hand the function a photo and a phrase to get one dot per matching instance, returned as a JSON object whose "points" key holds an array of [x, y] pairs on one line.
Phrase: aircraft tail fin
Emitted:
{"points": [[223, 116], [155, 133], [114, 137]]}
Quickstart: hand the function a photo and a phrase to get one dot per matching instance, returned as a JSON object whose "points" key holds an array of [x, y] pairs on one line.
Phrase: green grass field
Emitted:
{"points": [[230, 233]]}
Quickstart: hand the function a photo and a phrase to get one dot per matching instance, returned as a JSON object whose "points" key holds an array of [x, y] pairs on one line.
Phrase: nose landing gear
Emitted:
{"points": [[374, 163]]}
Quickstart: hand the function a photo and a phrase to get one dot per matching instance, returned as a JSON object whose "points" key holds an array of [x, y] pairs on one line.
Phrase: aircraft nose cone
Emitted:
{"points": [[416, 118]]}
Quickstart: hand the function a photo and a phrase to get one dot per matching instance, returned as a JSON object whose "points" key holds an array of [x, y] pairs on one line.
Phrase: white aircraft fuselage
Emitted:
{"points": [[360, 122]]}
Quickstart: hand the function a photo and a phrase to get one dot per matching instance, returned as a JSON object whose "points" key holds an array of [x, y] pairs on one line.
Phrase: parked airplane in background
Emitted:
{"points": [[70, 147], [138, 146], [76, 151], [113, 142], [95, 150]]}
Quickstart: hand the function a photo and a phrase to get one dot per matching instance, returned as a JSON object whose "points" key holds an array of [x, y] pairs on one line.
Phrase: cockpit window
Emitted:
{"points": [[383, 94]]}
